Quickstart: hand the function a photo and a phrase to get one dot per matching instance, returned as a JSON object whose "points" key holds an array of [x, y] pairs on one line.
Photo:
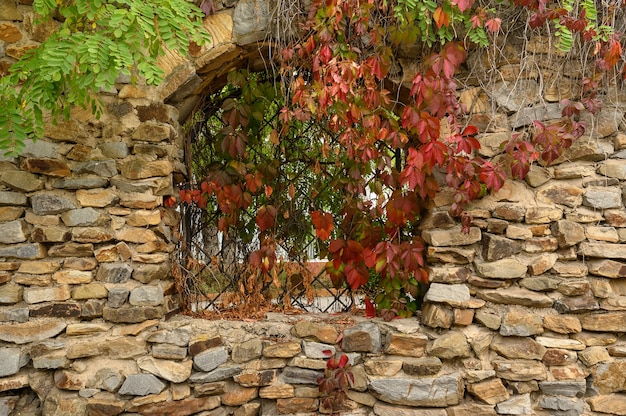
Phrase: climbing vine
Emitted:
{"points": [[397, 147]]}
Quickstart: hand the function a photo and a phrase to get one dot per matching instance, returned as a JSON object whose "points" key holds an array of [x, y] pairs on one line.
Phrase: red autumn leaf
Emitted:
{"points": [[356, 275], [169, 201], [343, 360], [370, 309], [613, 53], [494, 24], [265, 217], [463, 4], [441, 18], [323, 223]]}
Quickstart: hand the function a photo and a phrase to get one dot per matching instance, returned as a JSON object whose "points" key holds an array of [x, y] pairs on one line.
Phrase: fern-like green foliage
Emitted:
{"points": [[98, 41]]}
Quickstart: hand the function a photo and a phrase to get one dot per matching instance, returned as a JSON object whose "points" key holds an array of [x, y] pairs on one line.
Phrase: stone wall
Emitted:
{"points": [[524, 315]]}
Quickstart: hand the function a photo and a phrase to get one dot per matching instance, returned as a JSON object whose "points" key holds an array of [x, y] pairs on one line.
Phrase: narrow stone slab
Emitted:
{"points": [[603, 250], [451, 237], [439, 391], [33, 331], [604, 322], [612, 404], [141, 385], [509, 268], [453, 295], [516, 296]]}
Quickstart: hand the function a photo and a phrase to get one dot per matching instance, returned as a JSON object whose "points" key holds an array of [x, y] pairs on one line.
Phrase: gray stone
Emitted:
{"points": [[10, 293], [219, 374], [497, 247], [11, 362], [21, 181], [576, 406], [103, 168], [450, 345], [146, 296], [24, 251], [141, 385], [453, 295], [50, 204], [12, 198], [295, 375], [247, 351], [601, 197], [518, 347], [603, 250], [441, 391], [13, 314], [83, 217], [114, 272], [317, 350], [39, 149], [115, 150], [568, 388], [517, 405], [362, 338], [210, 359], [250, 21], [83, 182], [541, 112], [515, 96], [12, 232], [117, 296]]}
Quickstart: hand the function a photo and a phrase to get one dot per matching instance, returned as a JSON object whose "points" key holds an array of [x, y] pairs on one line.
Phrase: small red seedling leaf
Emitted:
{"points": [[343, 360], [327, 353], [370, 309]]}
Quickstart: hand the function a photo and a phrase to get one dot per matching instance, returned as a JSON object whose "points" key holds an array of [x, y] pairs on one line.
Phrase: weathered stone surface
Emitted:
{"points": [[518, 347], [439, 391], [11, 293], [454, 295], [601, 197], [610, 377], [516, 296], [142, 169], [437, 316], [294, 375], [25, 251], [21, 181], [451, 237], [12, 361], [362, 338], [412, 345], [543, 215], [32, 331], [424, 366], [450, 345], [556, 193], [247, 351], [167, 370], [277, 391], [13, 198], [90, 291], [520, 370], [607, 268], [114, 273], [141, 385], [509, 268], [383, 367], [561, 343], [71, 249], [610, 321], [489, 391], [102, 168], [146, 296], [568, 233], [132, 314], [219, 374], [613, 404], [209, 360], [297, 405], [521, 323], [282, 350], [253, 378], [562, 324], [50, 167]]}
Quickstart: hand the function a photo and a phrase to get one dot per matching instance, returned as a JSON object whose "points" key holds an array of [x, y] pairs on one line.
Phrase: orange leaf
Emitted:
{"points": [[266, 217], [441, 18], [323, 223]]}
